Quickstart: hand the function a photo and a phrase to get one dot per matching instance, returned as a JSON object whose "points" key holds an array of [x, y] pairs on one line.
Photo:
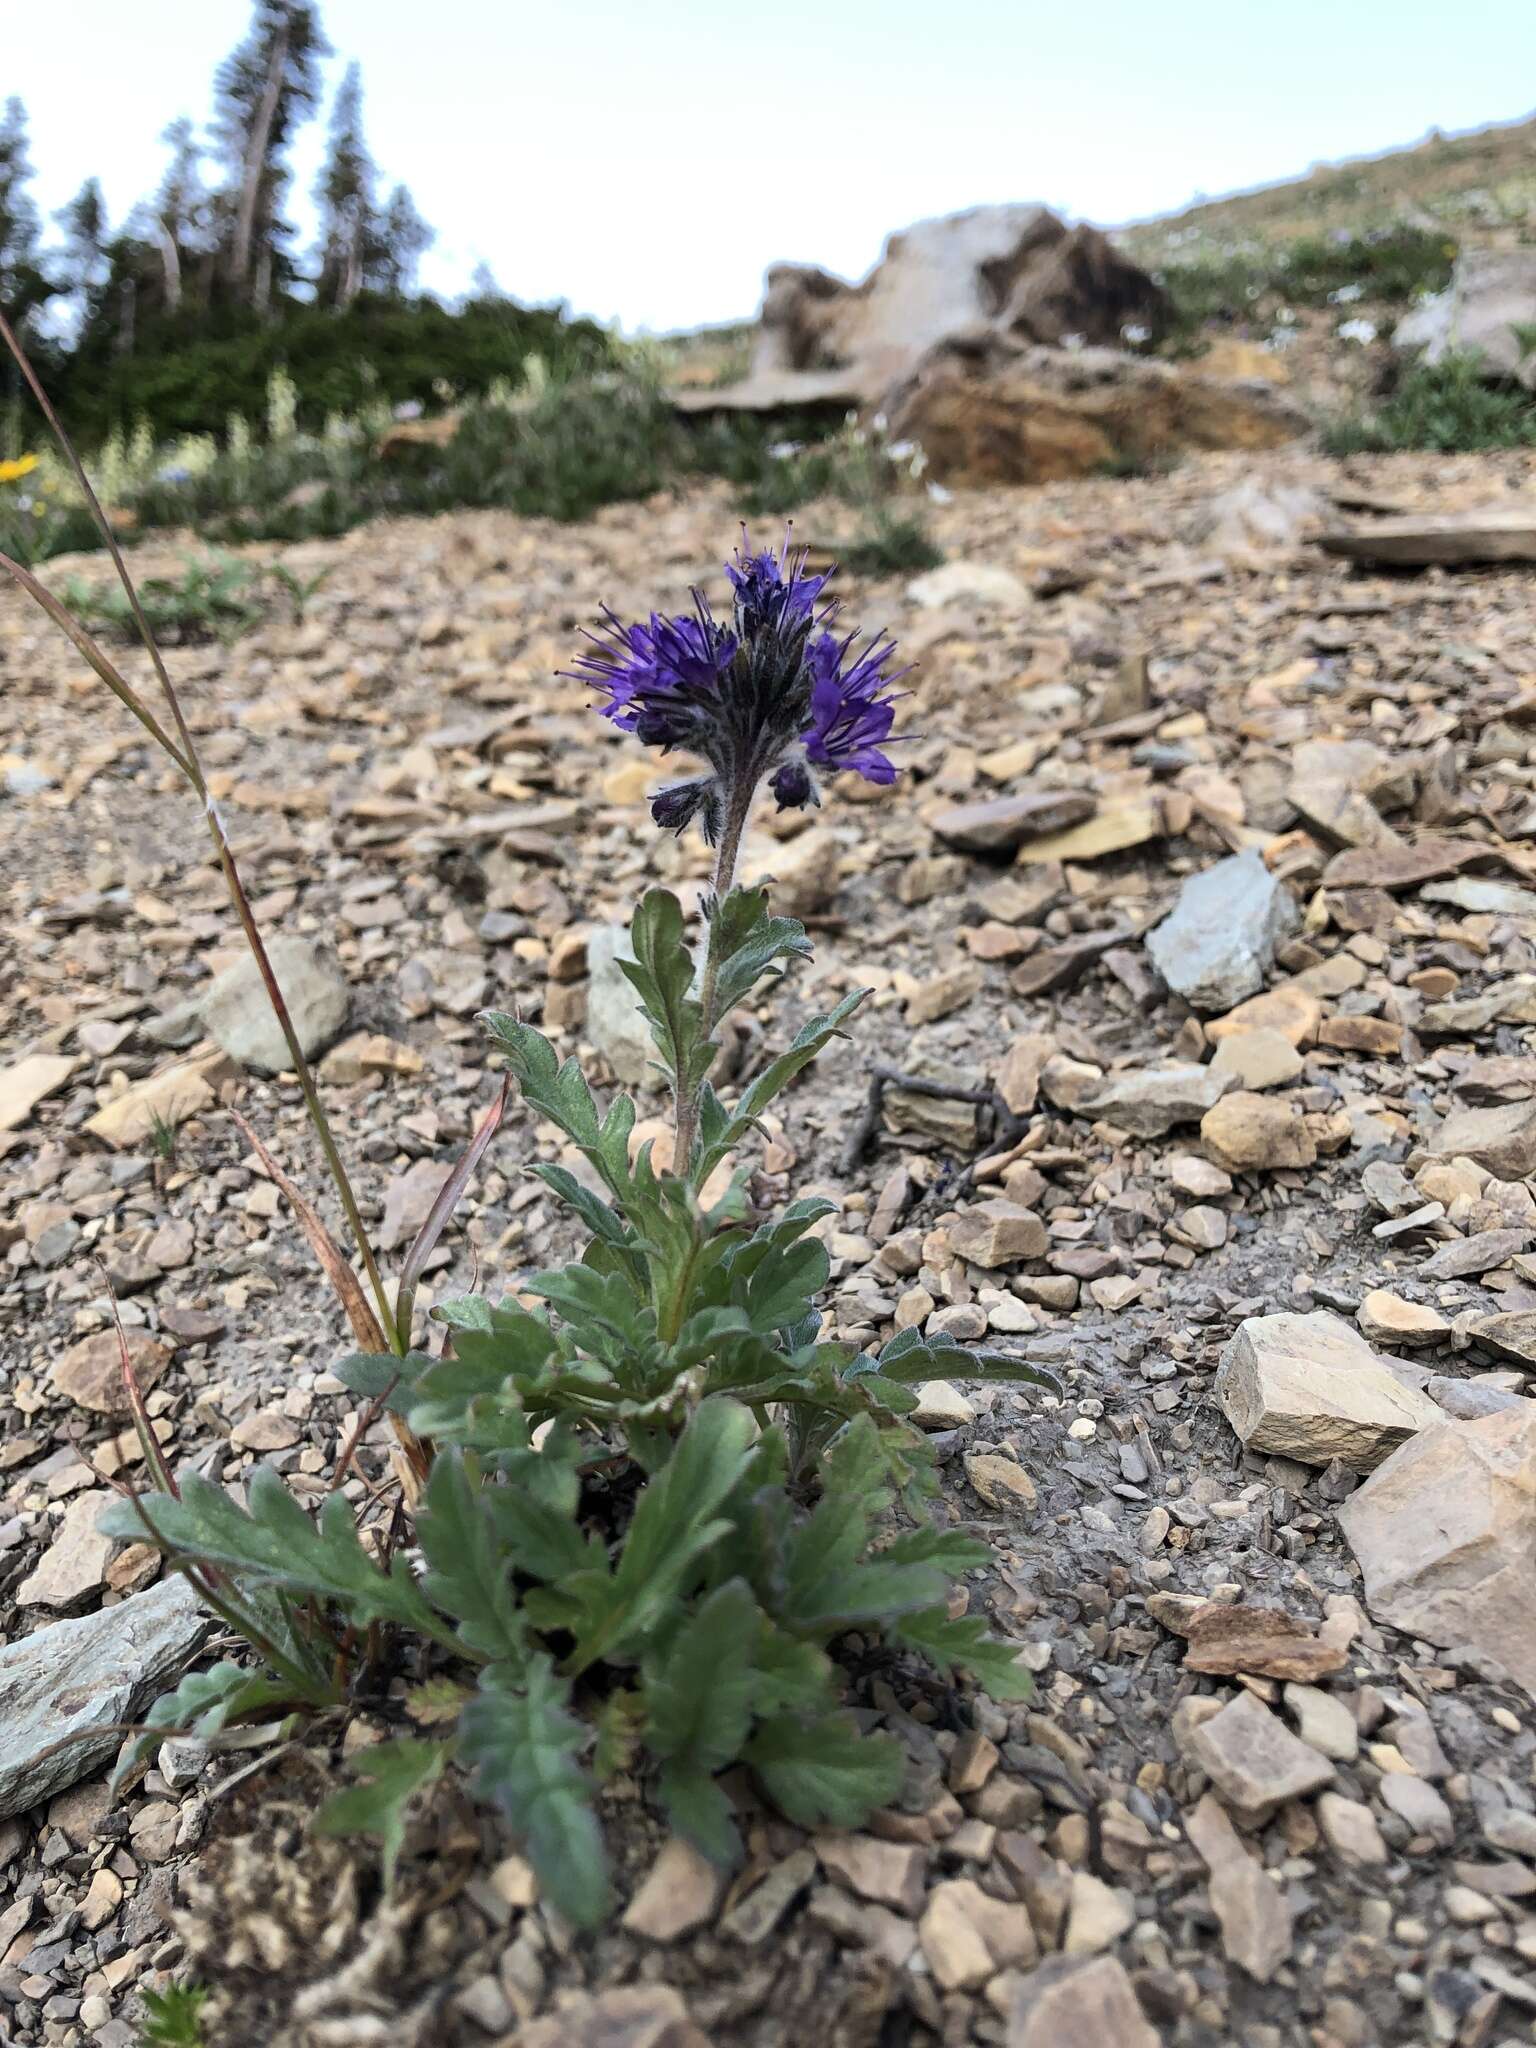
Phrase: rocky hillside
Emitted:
{"points": [[1481, 185]]}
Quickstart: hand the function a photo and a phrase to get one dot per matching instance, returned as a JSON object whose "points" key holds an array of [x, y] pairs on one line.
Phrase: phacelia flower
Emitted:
{"points": [[775, 694]]}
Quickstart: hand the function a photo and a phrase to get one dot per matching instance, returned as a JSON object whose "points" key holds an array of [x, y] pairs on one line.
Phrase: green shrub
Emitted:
{"points": [[1392, 266], [188, 377], [1446, 407]]}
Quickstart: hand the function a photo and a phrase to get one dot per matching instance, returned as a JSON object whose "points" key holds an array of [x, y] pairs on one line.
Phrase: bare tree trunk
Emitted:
{"points": [[170, 263], [256, 159]]}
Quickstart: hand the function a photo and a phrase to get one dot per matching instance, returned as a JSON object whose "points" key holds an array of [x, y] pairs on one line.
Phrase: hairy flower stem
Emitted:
{"points": [[738, 808], [183, 752]]}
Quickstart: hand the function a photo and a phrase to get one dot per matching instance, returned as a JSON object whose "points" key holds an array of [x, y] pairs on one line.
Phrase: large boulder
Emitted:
{"points": [[1016, 270], [1491, 296], [986, 410]]}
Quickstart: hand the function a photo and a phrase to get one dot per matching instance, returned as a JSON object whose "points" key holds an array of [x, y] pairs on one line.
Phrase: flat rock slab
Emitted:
{"points": [[1217, 945], [999, 824], [1067, 2003], [73, 1682], [1511, 1335], [1254, 1760], [1501, 1139], [1495, 533], [1477, 1254], [1153, 1101], [24, 1085], [1401, 867], [1443, 1532], [1311, 1388]]}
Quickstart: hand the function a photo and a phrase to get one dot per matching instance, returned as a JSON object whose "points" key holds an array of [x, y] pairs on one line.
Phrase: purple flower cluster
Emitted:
{"points": [[776, 694]]}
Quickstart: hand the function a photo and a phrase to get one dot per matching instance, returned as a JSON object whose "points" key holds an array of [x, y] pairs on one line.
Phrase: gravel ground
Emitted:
{"points": [[1202, 1830]]}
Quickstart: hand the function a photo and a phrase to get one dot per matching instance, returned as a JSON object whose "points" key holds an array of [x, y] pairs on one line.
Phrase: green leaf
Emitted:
{"points": [[275, 1542], [962, 1642], [382, 1376], [720, 1131], [204, 1704], [676, 1521], [748, 944], [468, 1573], [391, 1774], [662, 974], [827, 1770], [911, 1358], [524, 1746], [699, 1695]]}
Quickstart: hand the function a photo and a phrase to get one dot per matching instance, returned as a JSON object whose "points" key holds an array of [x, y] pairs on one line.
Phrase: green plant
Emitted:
{"points": [[891, 544], [173, 2018], [1252, 280], [1446, 406], [162, 1137], [645, 1515], [210, 600]]}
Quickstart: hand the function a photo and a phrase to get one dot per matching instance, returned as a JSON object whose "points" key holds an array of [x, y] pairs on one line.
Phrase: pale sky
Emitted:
{"points": [[646, 159]]}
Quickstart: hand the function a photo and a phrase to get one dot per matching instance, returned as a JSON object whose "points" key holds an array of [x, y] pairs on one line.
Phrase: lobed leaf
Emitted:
{"points": [[962, 1641], [392, 1773], [469, 1572], [524, 1746], [827, 1770]]}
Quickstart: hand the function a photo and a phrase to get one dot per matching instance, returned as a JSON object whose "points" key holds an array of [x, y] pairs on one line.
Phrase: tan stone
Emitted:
{"points": [[90, 1372], [169, 1098], [1253, 1911], [1254, 1760], [24, 1085], [1501, 1139], [998, 1233], [1116, 827], [1443, 1535], [1246, 1133], [1001, 1483], [889, 1873], [1066, 2003], [1097, 1915], [1257, 1059], [1310, 1387], [944, 994], [71, 1567], [679, 1894], [1018, 1078], [1377, 1037], [1287, 1008], [1385, 1318]]}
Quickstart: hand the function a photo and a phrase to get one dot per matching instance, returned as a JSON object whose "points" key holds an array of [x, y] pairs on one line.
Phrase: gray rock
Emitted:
{"points": [[1000, 823], [1468, 1399], [238, 1013], [78, 1679], [1492, 292], [1217, 945], [1311, 1388], [616, 1023], [1151, 1102]]}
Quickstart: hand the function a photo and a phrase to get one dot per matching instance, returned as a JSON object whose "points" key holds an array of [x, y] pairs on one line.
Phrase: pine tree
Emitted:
{"points": [[23, 283], [86, 235], [265, 90], [402, 240], [349, 222]]}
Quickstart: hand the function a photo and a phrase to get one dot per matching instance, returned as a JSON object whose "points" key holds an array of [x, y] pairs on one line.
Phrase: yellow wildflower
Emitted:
{"points": [[13, 472]]}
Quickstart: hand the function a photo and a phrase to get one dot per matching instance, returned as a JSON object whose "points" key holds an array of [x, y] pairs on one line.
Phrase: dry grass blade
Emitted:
{"points": [[344, 1282], [448, 1198], [149, 1443]]}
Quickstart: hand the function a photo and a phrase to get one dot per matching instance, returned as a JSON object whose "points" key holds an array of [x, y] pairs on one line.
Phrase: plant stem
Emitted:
{"points": [[738, 809], [184, 753]]}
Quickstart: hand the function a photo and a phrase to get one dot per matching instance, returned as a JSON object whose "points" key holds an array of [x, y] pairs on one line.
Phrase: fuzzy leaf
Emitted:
{"points": [[748, 944], [827, 1770], [468, 1573], [524, 1745], [962, 1641], [204, 1704], [720, 1131], [392, 1773], [662, 976], [699, 1694], [911, 1358], [274, 1541]]}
